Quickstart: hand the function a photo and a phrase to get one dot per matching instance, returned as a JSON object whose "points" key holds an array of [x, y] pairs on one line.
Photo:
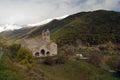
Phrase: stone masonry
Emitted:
{"points": [[41, 48]]}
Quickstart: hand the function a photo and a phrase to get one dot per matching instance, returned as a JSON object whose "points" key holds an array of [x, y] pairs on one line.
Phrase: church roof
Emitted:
{"points": [[35, 42]]}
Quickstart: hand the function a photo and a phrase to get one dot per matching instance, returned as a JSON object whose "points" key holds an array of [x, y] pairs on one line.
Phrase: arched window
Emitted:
{"points": [[47, 53], [42, 51], [37, 54]]}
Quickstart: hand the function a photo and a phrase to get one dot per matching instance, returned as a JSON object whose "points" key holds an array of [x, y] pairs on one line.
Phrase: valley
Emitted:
{"points": [[93, 34]]}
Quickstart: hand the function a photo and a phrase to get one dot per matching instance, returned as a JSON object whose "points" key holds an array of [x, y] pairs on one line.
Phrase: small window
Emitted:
{"points": [[47, 53], [42, 51]]}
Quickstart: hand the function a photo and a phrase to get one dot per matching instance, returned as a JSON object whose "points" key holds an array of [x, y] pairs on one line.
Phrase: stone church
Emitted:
{"points": [[43, 47]]}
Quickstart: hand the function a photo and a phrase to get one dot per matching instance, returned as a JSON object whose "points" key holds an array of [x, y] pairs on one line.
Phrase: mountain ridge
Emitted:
{"points": [[94, 27]]}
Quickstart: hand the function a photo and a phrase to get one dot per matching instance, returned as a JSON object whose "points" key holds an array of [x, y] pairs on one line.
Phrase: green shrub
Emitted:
{"points": [[114, 63], [7, 70], [102, 48], [85, 52], [117, 48], [25, 57], [48, 61], [14, 48], [95, 59], [106, 52], [60, 60], [54, 60]]}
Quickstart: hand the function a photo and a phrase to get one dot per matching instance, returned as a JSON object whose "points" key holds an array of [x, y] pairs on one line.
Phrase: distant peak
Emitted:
{"points": [[47, 21], [9, 27], [62, 17]]}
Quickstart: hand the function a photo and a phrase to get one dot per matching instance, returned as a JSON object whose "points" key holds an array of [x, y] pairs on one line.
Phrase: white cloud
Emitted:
{"points": [[33, 11]]}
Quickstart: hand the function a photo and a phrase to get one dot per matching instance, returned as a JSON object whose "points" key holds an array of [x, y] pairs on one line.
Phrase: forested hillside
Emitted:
{"points": [[89, 27]]}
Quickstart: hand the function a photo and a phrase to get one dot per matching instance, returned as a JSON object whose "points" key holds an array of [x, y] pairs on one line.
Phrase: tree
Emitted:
{"points": [[95, 59], [14, 50], [25, 57], [15, 47]]}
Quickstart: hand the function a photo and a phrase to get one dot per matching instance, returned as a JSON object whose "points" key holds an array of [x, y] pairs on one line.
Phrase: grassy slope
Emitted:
{"points": [[17, 34], [55, 24], [75, 70], [7, 71], [11, 70], [95, 28], [71, 70]]}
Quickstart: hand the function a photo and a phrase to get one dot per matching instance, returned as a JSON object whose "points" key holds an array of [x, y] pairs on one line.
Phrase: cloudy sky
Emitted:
{"points": [[33, 11]]}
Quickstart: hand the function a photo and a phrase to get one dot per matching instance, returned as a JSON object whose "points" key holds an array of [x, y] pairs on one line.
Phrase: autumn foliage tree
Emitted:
{"points": [[25, 57]]}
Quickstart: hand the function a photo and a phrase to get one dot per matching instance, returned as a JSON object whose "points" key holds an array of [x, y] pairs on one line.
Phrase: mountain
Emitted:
{"points": [[92, 28], [18, 31], [47, 21], [9, 27]]}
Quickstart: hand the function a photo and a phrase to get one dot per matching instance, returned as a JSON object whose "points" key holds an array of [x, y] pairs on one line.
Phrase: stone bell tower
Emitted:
{"points": [[46, 35]]}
